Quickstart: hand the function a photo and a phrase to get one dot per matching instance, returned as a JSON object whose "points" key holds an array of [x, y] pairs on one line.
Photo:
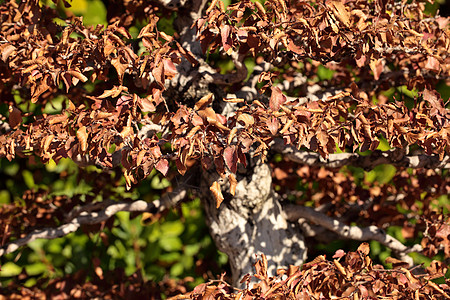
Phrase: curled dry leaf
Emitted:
{"points": [[247, 119], [233, 183], [204, 101], [82, 136], [217, 193]]}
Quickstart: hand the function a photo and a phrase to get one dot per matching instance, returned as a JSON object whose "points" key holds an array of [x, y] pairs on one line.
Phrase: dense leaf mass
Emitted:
{"points": [[350, 275], [347, 119]]}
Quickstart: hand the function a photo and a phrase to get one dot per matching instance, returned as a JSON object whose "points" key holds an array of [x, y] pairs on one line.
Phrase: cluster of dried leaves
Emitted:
{"points": [[350, 275], [34, 55], [80, 132], [110, 285], [364, 34]]}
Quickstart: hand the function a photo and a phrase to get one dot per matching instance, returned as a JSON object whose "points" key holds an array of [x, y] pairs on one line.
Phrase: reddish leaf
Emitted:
{"points": [[377, 67], [273, 125], [322, 137], [162, 166], [432, 64], [339, 253], [433, 97], [158, 74], [169, 68], [231, 158], [227, 42], [294, 48], [6, 51], [276, 99], [146, 104]]}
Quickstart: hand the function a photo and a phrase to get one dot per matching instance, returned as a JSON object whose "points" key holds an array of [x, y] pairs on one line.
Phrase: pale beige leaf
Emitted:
{"points": [[247, 119]]}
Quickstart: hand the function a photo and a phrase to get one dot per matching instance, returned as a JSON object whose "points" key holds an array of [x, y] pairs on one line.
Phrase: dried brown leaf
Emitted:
{"points": [[15, 117], [82, 136], [276, 99], [217, 193]]}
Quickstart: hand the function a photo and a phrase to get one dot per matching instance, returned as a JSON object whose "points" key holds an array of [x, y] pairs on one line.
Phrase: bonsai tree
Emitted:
{"points": [[294, 122]]}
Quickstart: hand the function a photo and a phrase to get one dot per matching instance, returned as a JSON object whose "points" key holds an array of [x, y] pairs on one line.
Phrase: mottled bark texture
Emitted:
{"points": [[252, 222]]}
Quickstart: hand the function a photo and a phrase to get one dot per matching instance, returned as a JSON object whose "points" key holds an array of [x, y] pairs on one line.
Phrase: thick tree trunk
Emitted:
{"points": [[252, 222]]}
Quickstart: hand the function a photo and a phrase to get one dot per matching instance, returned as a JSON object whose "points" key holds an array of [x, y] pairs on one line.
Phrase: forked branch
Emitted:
{"points": [[295, 212], [88, 217]]}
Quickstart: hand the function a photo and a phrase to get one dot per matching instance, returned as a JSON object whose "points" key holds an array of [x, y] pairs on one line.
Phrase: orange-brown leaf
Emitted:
{"points": [[233, 184], [217, 193], [82, 136], [204, 102]]}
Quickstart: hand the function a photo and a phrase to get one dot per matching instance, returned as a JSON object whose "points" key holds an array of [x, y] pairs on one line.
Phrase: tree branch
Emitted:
{"points": [[395, 157], [228, 79], [85, 216], [295, 212]]}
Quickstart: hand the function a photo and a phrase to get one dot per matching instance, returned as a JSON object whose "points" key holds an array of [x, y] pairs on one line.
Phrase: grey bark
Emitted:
{"points": [[252, 222]]}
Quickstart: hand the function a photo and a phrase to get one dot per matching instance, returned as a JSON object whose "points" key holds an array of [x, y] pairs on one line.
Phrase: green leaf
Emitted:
{"points": [[174, 228], [382, 174], [191, 250], [170, 257], [324, 73], [177, 270], [159, 184], [4, 197], [28, 179], [10, 269], [35, 269], [171, 243]]}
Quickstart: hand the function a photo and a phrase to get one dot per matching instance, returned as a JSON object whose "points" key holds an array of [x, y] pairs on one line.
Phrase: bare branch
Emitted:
{"points": [[249, 91], [227, 79], [85, 216], [395, 157], [295, 212], [4, 127]]}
